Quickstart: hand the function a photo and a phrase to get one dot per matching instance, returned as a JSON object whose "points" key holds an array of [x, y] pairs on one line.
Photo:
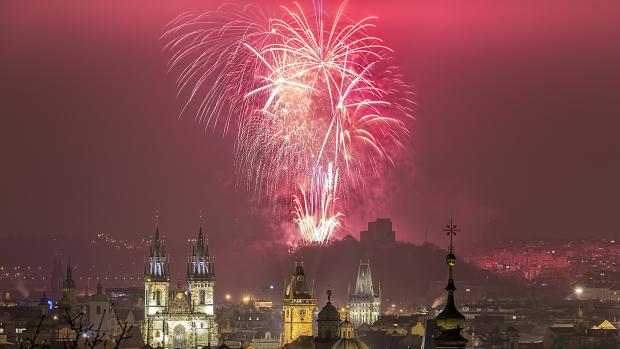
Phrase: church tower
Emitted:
{"points": [[99, 310], [156, 279], [364, 305], [67, 301], [298, 307], [200, 283], [450, 321], [201, 277]]}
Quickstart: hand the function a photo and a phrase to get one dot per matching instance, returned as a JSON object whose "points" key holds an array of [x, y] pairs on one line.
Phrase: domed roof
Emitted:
{"points": [[349, 343], [329, 313], [450, 318], [346, 324]]}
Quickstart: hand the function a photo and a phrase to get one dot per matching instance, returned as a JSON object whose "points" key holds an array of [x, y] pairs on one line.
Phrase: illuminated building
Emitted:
{"points": [[364, 305], [332, 332], [298, 307], [185, 318], [100, 314]]}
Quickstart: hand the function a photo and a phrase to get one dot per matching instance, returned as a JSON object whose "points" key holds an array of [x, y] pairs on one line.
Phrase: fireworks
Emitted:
{"points": [[304, 93], [314, 208]]}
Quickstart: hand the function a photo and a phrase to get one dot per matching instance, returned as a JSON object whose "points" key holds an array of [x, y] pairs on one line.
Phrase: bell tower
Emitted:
{"points": [[201, 277], [298, 307], [156, 278]]}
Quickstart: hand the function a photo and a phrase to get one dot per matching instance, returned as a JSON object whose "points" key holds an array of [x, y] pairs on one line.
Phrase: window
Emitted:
{"points": [[158, 297], [98, 310], [202, 297]]}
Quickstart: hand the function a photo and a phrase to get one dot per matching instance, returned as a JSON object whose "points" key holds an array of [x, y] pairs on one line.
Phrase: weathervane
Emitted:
{"points": [[156, 218], [451, 230], [329, 296]]}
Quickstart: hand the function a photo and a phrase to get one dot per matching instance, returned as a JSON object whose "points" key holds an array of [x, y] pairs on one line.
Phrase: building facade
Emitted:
{"points": [[364, 304], [183, 318], [298, 307]]}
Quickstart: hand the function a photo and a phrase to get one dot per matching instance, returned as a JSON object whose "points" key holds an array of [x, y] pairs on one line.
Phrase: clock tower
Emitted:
{"points": [[298, 307]]}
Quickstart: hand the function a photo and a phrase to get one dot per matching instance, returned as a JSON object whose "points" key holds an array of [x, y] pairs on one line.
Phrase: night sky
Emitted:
{"points": [[516, 130]]}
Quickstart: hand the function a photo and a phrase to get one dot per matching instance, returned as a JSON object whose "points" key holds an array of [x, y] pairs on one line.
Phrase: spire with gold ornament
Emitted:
{"points": [[450, 321]]}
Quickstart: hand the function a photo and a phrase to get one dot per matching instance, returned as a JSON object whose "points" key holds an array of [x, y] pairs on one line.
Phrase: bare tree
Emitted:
{"points": [[125, 329], [32, 342]]}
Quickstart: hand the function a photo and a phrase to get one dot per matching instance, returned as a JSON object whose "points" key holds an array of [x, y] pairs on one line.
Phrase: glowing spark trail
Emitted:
{"points": [[314, 210], [302, 92]]}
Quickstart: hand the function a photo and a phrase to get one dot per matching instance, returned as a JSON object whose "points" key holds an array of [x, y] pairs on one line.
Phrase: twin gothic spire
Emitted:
{"points": [[199, 268]]}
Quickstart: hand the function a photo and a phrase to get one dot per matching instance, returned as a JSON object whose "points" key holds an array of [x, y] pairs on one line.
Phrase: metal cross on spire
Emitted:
{"points": [[451, 230], [156, 218]]}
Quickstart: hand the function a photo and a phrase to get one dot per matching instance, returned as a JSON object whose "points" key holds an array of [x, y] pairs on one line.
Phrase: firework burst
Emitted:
{"points": [[305, 93]]}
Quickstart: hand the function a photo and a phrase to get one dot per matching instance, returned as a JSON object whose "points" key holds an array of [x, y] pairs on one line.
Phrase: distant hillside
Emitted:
{"points": [[406, 271]]}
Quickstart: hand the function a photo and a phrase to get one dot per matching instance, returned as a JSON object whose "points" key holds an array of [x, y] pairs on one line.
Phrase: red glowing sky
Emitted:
{"points": [[516, 131]]}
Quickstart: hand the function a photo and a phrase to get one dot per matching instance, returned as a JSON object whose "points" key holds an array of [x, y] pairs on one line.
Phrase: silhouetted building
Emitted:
{"points": [[56, 279], [450, 322], [67, 302], [364, 304], [379, 232]]}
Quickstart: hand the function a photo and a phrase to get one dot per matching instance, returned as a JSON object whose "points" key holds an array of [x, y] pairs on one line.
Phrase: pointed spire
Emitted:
{"points": [[363, 285], [99, 287], [69, 283], [200, 266], [157, 262], [450, 321]]}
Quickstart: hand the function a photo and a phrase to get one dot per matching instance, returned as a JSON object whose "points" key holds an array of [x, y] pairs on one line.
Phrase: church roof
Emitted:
{"points": [[329, 313], [99, 296], [349, 343], [200, 266]]}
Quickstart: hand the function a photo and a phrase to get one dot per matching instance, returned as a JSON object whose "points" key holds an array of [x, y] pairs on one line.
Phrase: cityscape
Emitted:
{"points": [[311, 174]]}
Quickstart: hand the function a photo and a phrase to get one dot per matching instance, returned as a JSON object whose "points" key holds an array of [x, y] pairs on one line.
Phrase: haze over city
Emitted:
{"points": [[499, 116]]}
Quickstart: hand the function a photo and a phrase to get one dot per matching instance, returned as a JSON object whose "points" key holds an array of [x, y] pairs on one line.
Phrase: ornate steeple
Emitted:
{"points": [[68, 283], [67, 301], [200, 266], [298, 287], [363, 286], [156, 267], [450, 321]]}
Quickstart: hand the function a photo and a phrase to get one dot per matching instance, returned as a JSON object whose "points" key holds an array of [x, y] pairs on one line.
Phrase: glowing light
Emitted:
{"points": [[303, 91], [246, 299], [578, 290], [314, 210], [227, 296]]}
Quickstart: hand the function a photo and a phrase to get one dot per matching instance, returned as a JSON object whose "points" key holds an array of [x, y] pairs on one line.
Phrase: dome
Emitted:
{"points": [[450, 319], [346, 325], [329, 313], [349, 343]]}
